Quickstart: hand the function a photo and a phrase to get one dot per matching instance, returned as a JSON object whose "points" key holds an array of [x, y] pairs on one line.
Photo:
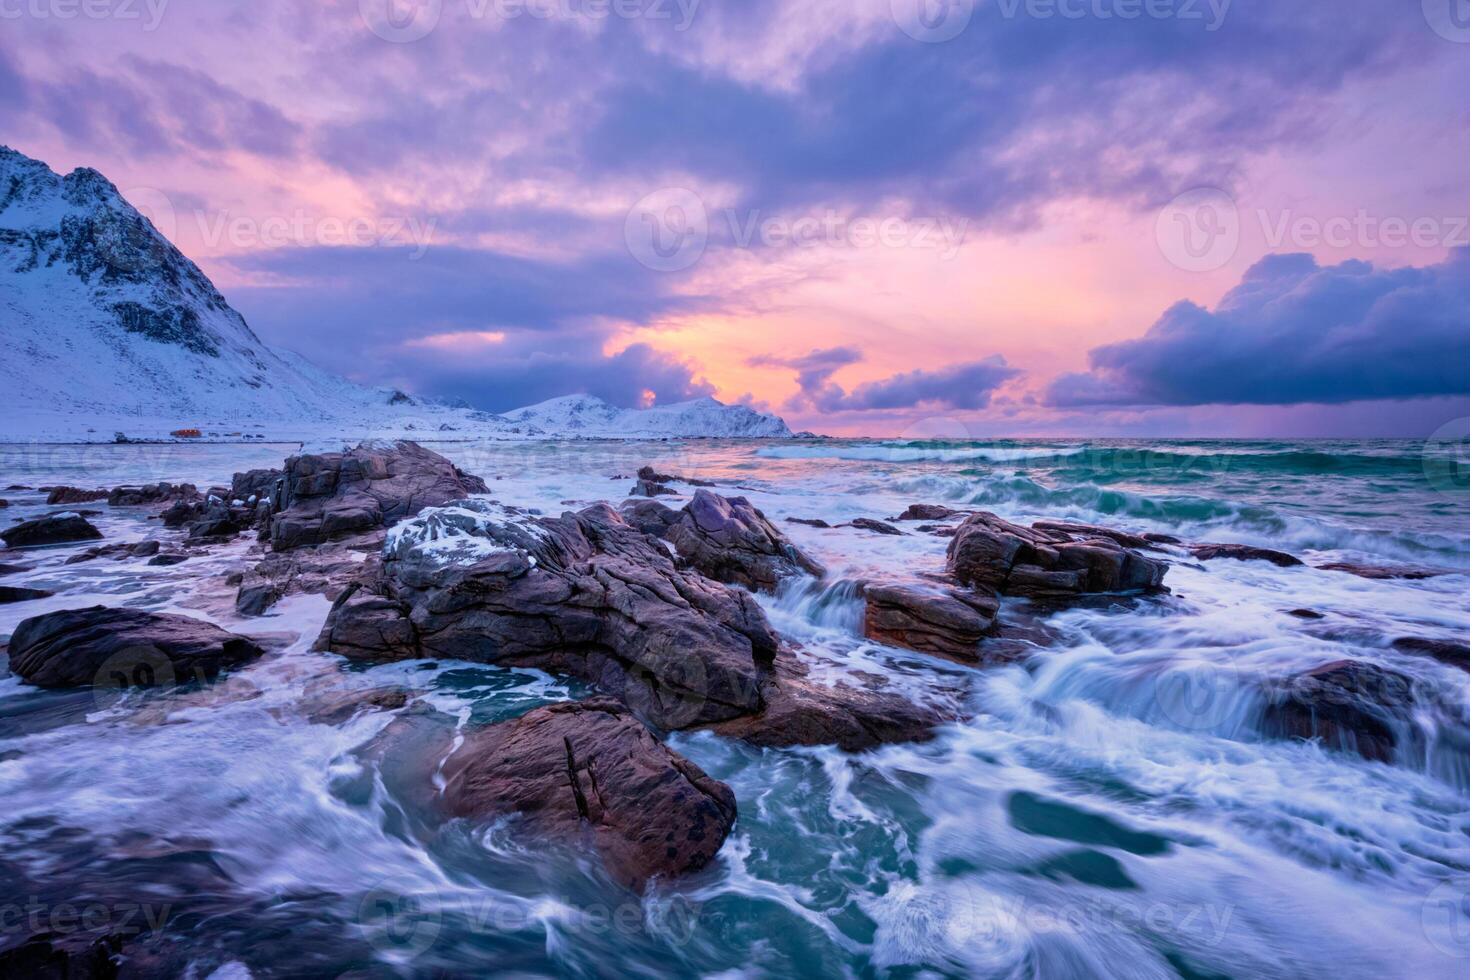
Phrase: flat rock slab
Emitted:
{"points": [[1244, 552], [123, 648], [589, 773], [1389, 573], [53, 529], [929, 512]]}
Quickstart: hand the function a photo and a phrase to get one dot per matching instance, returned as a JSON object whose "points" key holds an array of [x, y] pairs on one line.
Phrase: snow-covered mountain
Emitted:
{"points": [[588, 416], [107, 327]]}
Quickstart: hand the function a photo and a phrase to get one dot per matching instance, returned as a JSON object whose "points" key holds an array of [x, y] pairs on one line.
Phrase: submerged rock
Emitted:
{"points": [[991, 553], [1387, 573], [1349, 705], [122, 647], [73, 495], [647, 488], [877, 527], [336, 495], [729, 540], [815, 522], [12, 594], [1445, 651], [52, 529], [589, 773], [117, 552], [929, 512], [948, 623], [1244, 552], [157, 493], [650, 475], [801, 711]]}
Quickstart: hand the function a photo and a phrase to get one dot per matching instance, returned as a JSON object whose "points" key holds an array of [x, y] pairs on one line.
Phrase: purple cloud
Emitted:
{"points": [[959, 386], [1295, 332]]}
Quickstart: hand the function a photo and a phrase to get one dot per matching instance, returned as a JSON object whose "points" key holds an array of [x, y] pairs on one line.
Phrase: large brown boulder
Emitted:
{"points": [[122, 648], [730, 541], [590, 774], [328, 497], [990, 553], [583, 594], [52, 529], [949, 623]]}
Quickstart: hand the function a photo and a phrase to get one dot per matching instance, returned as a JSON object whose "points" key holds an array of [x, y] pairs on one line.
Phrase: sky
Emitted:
{"points": [[907, 218]]}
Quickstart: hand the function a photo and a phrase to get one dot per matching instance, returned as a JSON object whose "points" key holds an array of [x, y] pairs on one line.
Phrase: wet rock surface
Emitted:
{"points": [[876, 527], [1350, 706], [589, 773], [1388, 573], [990, 553], [73, 495], [123, 647], [929, 512], [49, 530], [801, 711], [325, 571], [153, 494], [584, 594], [729, 540], [948, 623], [1244, 552], [12, 594], [328, 497], [1445, 651]]}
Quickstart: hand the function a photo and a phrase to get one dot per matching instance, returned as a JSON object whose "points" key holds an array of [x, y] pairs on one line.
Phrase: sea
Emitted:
{"points": [[1111, 806]]}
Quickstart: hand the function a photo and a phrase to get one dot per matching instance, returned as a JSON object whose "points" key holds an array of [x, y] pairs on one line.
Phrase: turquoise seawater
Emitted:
{"points": [[1112, 807]]}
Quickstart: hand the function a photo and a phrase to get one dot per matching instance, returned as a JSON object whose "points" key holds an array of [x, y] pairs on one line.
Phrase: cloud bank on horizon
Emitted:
{"points": [[867, 213]]}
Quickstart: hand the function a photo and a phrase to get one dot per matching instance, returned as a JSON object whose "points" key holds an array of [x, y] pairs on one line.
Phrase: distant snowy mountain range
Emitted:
{"points": [[107, 327]]}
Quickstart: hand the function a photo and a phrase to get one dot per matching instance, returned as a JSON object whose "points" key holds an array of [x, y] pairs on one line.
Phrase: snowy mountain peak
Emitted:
{"points": [[105, 324]]}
